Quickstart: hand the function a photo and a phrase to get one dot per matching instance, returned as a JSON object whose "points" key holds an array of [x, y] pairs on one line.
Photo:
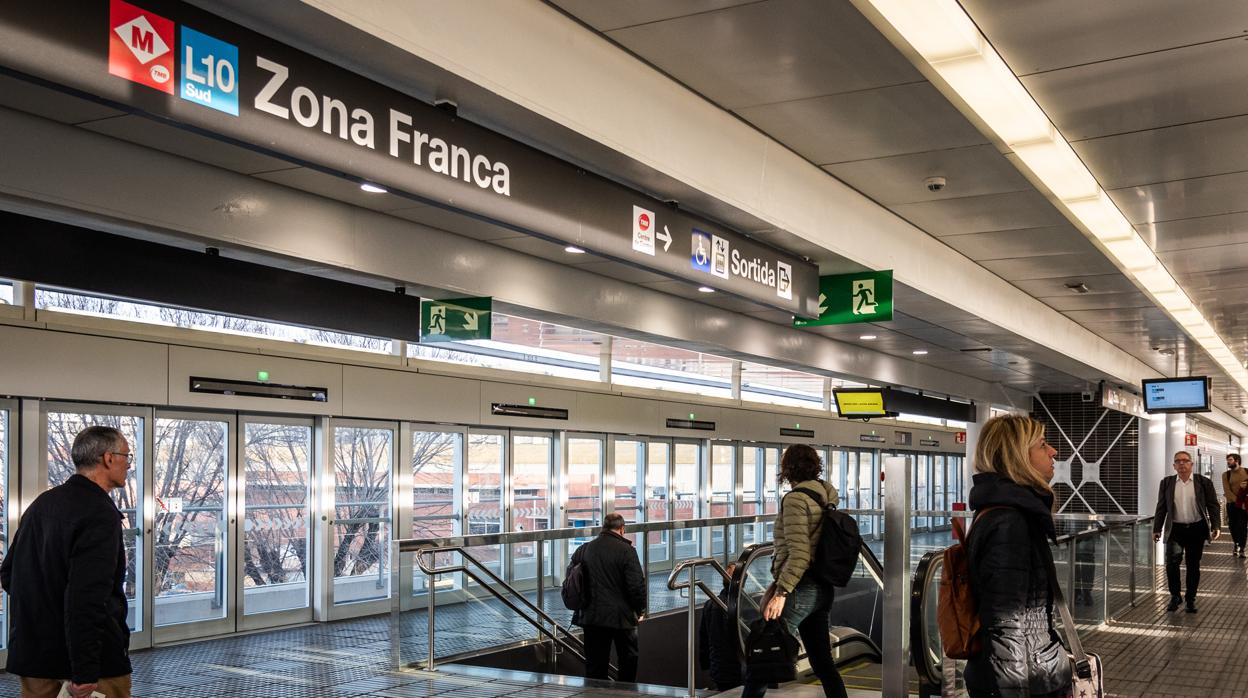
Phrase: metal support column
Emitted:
{"points": [[1135, 557], [692, 655], [433, 590], [541, 585], [896, 631]]}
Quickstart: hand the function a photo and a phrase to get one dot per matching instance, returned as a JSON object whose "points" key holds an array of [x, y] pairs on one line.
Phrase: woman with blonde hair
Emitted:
{"points": [[1009, 555]]}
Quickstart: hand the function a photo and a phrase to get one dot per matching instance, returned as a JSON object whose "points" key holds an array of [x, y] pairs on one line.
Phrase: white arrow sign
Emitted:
{"points": [[823, 308], [470, 321], [666, 237]]}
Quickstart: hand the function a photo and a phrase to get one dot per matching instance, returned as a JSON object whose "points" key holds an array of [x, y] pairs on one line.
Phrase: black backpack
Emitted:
{"points": [[770, 653], [836, 552], [575, 589]]}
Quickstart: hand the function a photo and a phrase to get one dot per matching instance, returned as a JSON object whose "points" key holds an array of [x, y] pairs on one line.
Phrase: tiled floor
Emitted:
{"points": [[1150, 652]]}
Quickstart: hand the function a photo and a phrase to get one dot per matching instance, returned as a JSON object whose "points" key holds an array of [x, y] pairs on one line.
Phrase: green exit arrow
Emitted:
{"points": [[851, 298], [455, 319]]}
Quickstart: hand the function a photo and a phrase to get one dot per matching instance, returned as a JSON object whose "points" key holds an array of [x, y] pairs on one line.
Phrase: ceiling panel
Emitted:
{"points": [[1167, 154], [1027, 242], [442, 219], [685, 289], [1190, 233], [970, 171], [33, 99], [632, 275], [1051, 267], [1188, 198], [748, 55], [864, 125], [1220, 258], [547, 250], [978, 214], [333, 187], [1038, 36], [161, 136], [1099, 301], [1096, 283], [1146, 91], [605, 16], [1210, 284]]}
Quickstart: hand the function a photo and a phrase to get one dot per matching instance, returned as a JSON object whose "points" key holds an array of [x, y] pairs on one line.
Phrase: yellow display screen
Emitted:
{"points": [[860, 403]]}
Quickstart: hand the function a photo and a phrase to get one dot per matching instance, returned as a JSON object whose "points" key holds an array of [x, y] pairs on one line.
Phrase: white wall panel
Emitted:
{"points": [[379, 393], [515, 394], [67, 366], [596, 412], [681, 410], [185, 362]]}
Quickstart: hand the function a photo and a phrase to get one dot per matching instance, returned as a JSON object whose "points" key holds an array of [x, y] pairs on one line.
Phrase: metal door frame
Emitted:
{"points": [[405, 521], [37, 482], [553, 469], [231, 602]]}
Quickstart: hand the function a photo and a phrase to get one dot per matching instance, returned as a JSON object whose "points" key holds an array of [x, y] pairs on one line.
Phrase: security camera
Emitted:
{"points": [[1087, 396], [934, 183]]}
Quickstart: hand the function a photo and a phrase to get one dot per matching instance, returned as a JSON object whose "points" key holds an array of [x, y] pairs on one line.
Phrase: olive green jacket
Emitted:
{"points": [[797, 529]]}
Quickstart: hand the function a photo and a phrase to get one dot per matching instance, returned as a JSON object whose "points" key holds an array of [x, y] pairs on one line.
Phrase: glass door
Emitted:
{"points": [[583, 491], [363, 458], [275, 547], [8, 447], [435, 470], [487, 461], [658, 497], [193, 526], [628, 475], [723, 491], [532, 470], [59, 424], [688, 498]]}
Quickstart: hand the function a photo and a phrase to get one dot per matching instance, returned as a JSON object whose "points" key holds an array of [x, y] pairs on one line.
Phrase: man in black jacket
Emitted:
{"points": [[717, 640], [1187, 508], [617, 600], [65, 575]]}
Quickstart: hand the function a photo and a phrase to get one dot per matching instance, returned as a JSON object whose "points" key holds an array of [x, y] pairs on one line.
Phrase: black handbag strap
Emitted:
{"points": [[1083, 667]]}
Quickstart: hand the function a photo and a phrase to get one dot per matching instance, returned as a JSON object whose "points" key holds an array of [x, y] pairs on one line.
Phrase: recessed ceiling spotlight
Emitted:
{"points": [[919, 352], [372, 188], [867, 337], [573, 249], [705, 289]]}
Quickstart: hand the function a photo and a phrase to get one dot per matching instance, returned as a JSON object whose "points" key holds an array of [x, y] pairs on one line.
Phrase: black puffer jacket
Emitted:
{"points": [[617, 588], [1008, 555]]}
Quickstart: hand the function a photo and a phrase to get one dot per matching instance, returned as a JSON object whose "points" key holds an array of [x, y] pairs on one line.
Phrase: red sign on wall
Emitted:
{"points": [[1189, 439], [960, 437], [140, 46]]}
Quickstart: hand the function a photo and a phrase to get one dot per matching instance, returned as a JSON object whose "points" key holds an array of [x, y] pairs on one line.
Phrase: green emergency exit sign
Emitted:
{"points": [[455, 319], [848, 298]]}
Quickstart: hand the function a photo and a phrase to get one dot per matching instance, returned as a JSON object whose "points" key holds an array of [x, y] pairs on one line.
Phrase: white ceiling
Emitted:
{"points": [[1146, 91]]}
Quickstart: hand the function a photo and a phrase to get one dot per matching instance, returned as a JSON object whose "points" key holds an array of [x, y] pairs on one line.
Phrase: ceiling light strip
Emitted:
{"points": [[943, 34]]}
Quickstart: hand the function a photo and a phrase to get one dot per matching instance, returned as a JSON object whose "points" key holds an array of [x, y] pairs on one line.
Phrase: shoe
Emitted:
{"points": [[1191, 608], [1174, 604]]}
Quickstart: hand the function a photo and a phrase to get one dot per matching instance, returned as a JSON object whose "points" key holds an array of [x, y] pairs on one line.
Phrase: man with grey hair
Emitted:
{"points": [[616, 603], [65, 575]]}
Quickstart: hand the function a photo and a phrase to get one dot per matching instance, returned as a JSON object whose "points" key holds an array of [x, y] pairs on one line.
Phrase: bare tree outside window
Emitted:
{"points": [[362, 458], [275, 529]]}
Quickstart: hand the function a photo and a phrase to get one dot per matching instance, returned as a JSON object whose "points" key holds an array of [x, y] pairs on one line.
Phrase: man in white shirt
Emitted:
{"points": [[1188, 513]]}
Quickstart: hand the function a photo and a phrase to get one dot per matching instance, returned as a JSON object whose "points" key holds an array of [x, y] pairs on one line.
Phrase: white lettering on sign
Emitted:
{"points": [[336, 118], [755, 269]]}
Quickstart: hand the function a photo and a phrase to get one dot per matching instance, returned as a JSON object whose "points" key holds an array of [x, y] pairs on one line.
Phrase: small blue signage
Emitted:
{"points": [[209, 71], [700, 257]]}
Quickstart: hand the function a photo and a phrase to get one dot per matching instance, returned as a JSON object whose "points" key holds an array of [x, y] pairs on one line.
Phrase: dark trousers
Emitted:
{"points": [[1186, 540], [1238, 519], [598, 643], [994, 694], [806, 612]]}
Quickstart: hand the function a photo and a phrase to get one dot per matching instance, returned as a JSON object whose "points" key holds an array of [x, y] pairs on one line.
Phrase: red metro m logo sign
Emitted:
{"points": [[140, 46]]}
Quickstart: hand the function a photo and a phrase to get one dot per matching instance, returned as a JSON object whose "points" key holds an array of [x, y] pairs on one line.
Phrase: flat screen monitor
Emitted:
{"points": [[1177, 394], [856, 403]]}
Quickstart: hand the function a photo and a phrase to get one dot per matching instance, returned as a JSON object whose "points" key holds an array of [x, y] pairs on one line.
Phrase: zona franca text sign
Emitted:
{"points": [[177, 63]]}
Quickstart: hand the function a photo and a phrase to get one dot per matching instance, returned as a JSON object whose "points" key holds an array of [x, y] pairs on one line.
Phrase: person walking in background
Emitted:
{"points": [[616, 603], [65, 575], [1187, 513], [1235, 489], [1008, 556], [801, 603]]}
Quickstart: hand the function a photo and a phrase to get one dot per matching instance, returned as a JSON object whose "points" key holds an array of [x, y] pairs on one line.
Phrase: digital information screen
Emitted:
{"points": [[1180, 394], [860, 404]]}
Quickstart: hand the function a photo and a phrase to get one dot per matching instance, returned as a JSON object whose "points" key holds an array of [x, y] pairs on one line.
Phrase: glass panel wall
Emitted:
{"points": [[722, 489], [62, 428], [277, 469], [646, 365], [363, 459], [584, 490], [436, 471], [780, 386], [191, 532], [658, 460], [686, 496]]}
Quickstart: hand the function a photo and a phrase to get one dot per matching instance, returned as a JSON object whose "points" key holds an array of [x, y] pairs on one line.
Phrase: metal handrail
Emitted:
{"points": [[433, 571], [693, 585]]}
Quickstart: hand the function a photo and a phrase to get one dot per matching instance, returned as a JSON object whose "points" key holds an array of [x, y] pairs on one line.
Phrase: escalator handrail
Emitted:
{"points": [[926, 661], [577, 649], [675, 584]]}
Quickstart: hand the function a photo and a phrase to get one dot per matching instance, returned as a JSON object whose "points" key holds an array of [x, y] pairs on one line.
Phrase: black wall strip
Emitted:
{"points": [[57, 254]]}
